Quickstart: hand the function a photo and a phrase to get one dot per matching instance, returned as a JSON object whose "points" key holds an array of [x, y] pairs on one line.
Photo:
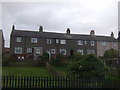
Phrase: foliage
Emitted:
{"points": [[78, 56], [111, 53], [59, 58], [45, 56], [89, 67]]}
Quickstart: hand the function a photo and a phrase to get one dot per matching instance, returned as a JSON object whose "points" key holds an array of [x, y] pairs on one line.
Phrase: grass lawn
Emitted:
{"points": [[61, 69], [25, 71]]}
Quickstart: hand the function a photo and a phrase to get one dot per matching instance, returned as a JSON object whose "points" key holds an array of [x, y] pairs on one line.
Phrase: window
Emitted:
{"points": [[49, 41], [63, 42], [80, 42], [37, 51], [92, 43], [103, 43], [18, 50], [85, 42], [80, 51], [53, 51], [29, 50], [63, 51], [19, 39], [90, 51], [34, 40], [57, 40]]}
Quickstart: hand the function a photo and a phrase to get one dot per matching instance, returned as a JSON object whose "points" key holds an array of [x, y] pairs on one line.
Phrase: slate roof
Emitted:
{"points": [[24, 33]]}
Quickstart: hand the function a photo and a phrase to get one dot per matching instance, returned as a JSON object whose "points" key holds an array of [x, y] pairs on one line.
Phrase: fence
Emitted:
{"points": [[55, 82]]}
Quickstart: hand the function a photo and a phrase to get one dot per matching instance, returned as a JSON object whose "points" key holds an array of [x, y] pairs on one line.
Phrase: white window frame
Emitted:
{"points": [[63, 50], [37, 51], [53, 51], [85, 42], [80, 42], [62, 41], [57, 40], [49, 41], [92, 43], [18, 49], [80, 51], [19, 39], [29, 50], [34, 40], [103, 43]]}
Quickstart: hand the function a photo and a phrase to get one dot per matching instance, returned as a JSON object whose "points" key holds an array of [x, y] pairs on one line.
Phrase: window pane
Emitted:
{"points": [[63, 51], [80, 42], [57, 40], [19, 39], [80, 51], [34, 40], [18, 50], [29, 50], [103, 43], [63, 42], [49, 41], [92, 43], [53, 51]]}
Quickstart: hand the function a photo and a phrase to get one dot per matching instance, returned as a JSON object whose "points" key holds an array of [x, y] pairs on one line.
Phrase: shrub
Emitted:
{"points": [[45, 56], [89, 67], [111, 53]]}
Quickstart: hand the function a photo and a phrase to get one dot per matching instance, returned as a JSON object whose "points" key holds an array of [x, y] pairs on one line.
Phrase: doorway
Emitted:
{"points": [[71, 52]]}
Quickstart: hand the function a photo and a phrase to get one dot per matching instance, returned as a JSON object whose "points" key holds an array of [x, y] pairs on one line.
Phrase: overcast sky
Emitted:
{"points": [[81, 17]]}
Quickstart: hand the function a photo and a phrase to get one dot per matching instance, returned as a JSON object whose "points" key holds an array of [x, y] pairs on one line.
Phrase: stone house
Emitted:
{"points": [[26, 43]]}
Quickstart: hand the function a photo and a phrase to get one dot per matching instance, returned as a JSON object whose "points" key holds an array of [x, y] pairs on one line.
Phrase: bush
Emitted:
{"points": [[59, 58], [89, 67], [111, 54], [45, 56]]}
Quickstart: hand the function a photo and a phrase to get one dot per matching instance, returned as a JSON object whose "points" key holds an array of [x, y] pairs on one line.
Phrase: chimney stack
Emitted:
{"points": [[13, 27], [68, 31], [92, 33], [40, 29], [112, 34]]}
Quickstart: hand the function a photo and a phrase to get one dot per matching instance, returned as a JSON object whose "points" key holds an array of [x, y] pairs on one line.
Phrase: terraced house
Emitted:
{"points": [[26, 43]]}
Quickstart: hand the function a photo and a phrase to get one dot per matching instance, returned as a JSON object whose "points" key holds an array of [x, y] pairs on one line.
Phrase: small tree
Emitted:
{"points": [[111, 53], [89, 67], [45, 56]]}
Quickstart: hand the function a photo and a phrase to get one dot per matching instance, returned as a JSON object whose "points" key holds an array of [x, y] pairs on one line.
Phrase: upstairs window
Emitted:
{"points": [[103, 43], [80, 42], [49, 41], [29, 50], [18, 50], [92, 43], [63, 51], [19, 39], [80, 51], [85, 42], [62, 41], [57, 40], [34, 40]]}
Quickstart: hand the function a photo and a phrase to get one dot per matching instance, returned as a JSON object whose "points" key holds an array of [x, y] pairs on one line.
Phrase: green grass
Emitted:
{"points": [[25, 71], [61, 69]]}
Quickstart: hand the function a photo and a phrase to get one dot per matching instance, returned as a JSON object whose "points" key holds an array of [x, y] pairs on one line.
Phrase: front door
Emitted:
{"points": [[71, 52]]}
